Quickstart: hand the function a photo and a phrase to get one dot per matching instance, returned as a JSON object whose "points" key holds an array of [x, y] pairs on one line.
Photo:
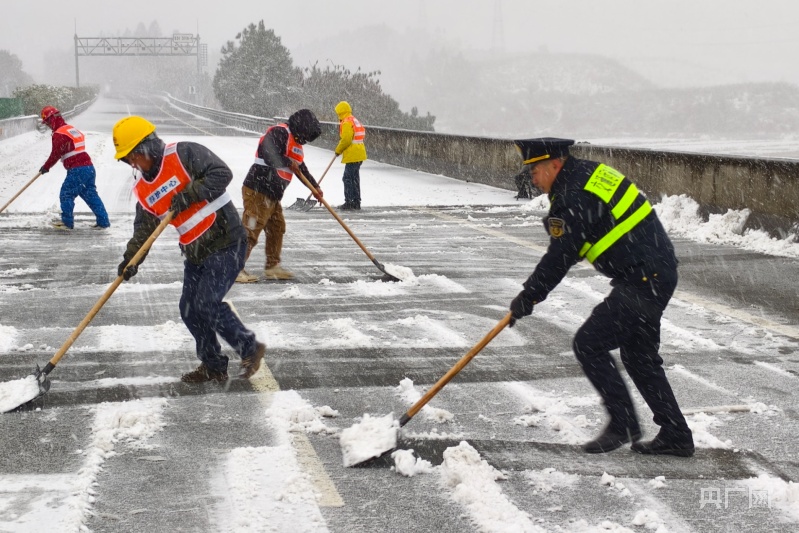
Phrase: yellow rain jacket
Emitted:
{"points": [[350, 146]]}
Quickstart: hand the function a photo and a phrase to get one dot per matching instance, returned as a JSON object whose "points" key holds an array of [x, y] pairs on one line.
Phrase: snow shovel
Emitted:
{"points": [[378, 264], [307, 204], [20, 192], [361, 456], [26, 388]]}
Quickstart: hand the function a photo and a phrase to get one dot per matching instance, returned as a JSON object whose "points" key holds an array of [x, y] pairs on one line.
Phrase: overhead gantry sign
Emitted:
{"points": [[180, 44]]}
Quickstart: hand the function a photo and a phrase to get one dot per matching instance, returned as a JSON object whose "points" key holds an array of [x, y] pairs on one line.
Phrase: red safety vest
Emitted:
{"points": [[156, 197], [78, 140], [293, 152], [359, 132]]}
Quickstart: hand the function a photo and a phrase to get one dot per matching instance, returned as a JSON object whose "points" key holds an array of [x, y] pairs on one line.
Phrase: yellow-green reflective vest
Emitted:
{"points": [[605, 183]]}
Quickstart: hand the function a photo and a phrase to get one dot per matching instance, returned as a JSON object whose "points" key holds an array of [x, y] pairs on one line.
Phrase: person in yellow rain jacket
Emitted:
{"points": [[353, 151]]}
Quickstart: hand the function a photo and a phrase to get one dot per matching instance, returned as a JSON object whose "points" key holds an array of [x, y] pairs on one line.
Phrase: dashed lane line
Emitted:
{"points": [[738, 314]]}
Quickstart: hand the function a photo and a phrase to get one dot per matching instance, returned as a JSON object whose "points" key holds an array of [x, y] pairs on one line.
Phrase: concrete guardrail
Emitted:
{"points": [[10, 127], [769, 188]]}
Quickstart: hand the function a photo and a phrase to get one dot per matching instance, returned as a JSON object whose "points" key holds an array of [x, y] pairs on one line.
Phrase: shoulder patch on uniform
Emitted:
{"points": [[556, 227]]}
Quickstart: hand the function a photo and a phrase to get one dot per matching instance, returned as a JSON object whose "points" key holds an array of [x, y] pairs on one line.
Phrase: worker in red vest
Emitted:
{"points": [[352, 134], [278, 158], [189, 180], [69, 146]]}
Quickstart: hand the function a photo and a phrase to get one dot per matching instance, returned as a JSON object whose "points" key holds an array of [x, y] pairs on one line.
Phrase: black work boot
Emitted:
{"points": [[203, 374], [664, 443], [612, 438], [250, 365]]}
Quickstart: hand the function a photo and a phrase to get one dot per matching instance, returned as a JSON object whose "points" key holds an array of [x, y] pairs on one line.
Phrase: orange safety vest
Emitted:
{"points": [[358, 131], [78, 140], [156, 197], [293, 151]]}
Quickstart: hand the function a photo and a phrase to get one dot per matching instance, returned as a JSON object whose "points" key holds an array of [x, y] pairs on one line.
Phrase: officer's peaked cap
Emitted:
{"points": [[534, 150]]}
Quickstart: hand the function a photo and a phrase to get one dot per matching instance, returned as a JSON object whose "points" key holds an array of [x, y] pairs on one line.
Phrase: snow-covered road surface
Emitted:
{"points": [[119, 444]]}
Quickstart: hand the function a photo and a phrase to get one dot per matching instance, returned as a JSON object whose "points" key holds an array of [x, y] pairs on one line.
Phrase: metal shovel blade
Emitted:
{"points": [[298, 205], [309, 204], [42, 379]]}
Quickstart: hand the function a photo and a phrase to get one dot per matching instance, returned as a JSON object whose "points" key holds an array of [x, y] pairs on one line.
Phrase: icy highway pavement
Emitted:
{"points": [[338, 337], [120, 444]]}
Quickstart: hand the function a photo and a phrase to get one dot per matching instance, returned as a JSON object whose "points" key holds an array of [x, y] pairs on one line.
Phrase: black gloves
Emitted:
{"points": [[126, 273], [44, 170], [180, 202], [520, 307]]}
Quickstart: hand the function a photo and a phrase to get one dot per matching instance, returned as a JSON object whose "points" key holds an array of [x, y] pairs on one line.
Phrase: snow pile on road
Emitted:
{"points": [[550, 479], [7, 336], [17, 392], [266, 491], [169, 336], [131, 423], [369, 438], [14, 272], [431, 330], [680, 216], [290, 412], [554, 410], [614, 485], [700, 423], [473, 483], [783, 495], [408, 393], [649, 520], [408, 465]]}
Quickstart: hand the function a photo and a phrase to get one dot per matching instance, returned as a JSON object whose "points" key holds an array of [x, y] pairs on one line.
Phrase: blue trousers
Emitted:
{"points": [[352, 184], [204, 312], [80, 182]]}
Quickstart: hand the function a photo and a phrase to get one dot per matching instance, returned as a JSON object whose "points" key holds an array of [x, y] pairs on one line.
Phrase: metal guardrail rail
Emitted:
{"points": [[10, 127], [240, 121]]}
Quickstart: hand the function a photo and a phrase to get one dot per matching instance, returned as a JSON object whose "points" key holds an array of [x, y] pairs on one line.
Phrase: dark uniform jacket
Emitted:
{"points": [[272, 150], [577, 216], [210, 178]]}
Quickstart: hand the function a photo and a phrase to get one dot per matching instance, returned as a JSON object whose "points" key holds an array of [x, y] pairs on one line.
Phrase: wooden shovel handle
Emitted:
{"points": [[335, 215], [20, 192], [104, 298], [454, 370], [323, 175]]}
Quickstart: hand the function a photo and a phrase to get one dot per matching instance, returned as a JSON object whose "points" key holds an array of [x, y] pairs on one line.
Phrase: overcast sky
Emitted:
{"points": [[674, 42]]}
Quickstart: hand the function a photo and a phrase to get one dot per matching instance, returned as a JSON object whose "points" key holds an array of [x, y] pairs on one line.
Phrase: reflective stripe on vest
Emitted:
{"points": [[156, 198], [293, 152], [77, 138], [205, 211], [604, 183], [358, 131]]}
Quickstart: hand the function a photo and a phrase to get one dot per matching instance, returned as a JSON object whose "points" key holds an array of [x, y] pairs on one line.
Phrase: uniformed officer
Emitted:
{"points": [[598, 214]]}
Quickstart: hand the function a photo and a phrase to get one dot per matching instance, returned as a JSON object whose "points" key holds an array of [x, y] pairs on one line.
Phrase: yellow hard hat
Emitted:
{"points": [[129, 132]]}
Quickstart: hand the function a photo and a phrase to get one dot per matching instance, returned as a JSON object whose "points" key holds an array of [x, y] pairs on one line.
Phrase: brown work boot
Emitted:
{"points": [[244, 277], [250, 365], [58, 224], [203, 374], [277, 272]]}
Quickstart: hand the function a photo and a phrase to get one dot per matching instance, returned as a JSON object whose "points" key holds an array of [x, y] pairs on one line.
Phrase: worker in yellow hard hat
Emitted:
{"points": [[189, 180]]}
